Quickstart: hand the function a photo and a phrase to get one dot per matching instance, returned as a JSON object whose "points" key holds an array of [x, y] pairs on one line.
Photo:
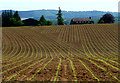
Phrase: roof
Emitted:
{"points": [[81, 19]]}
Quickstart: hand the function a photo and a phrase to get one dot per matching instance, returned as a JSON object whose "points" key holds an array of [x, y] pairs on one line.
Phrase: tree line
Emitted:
{"points": [[106, 18], [13, 19], [10, 19]]}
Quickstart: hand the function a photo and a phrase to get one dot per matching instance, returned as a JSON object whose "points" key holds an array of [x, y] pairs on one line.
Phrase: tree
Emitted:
{"points": [[3, 18], [18, 19], [43, 21], [8, 19], [16, 16], [49, 22], [11, 14], [107, 18], [19, 23], [13, 21], [6, 15], [0, 20], [59, 18]]}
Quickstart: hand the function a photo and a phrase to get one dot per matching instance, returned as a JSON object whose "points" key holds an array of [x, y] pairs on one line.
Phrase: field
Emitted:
{"points": [[61, 53]]}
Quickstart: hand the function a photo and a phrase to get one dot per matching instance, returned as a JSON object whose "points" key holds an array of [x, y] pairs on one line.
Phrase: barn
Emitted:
{"points": [[81, 21]]}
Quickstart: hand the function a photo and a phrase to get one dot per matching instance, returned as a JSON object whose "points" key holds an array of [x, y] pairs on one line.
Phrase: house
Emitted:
{"points": [[81, 21]]}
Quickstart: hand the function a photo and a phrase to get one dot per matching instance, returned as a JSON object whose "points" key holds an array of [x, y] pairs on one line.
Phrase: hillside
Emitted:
{"points": [[67, 15]]}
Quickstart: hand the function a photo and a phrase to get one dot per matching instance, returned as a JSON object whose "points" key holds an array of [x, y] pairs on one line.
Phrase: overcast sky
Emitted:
{"points": [[68, 5]]}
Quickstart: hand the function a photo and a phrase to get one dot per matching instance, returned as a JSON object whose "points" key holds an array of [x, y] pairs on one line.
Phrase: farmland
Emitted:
{"points": [[61, 53]]}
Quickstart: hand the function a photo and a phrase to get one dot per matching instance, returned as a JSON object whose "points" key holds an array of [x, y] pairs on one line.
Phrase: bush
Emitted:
{"points": [[92, 22], [39, 25], [49, 22], [107, 18], [101, 21]]}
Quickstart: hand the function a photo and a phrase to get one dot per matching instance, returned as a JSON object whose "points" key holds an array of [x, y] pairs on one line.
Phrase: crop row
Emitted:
{"points": [[87, 45]]}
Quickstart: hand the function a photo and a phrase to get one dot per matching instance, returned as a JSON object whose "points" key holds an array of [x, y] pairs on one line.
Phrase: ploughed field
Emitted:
{"points": [[61, 53]]}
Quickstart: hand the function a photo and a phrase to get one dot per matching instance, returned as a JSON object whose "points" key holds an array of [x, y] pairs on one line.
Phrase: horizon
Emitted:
{"points": [[67, 5], [61, 9]]}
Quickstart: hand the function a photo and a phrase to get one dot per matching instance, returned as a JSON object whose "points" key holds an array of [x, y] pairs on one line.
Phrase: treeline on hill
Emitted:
{"points": [[9, 19]]}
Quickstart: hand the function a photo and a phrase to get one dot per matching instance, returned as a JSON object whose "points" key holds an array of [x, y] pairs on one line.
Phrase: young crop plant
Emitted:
{"points": [[10, 47], [18, 54], [90, 71], [76, 52], [102, 68], [103, 52], [15, 67], [4, 47], [25, 69], [41, 68], [57, 70], [99, 56], [13, 50], [108, 64], [73, 70], [18, 57]]}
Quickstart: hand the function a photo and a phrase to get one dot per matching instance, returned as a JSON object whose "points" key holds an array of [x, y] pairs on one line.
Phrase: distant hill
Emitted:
{"points": [[67, 15]]}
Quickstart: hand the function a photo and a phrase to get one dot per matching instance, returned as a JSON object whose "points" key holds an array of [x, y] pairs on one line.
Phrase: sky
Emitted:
{"points": [[68, 5]]}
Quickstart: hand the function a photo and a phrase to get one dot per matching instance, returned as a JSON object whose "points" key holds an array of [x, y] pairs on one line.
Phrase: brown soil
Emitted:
{"points": [[71, 42]]}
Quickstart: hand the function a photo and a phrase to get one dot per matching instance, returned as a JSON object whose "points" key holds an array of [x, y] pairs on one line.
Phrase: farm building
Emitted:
{"points": [[81, 21]]}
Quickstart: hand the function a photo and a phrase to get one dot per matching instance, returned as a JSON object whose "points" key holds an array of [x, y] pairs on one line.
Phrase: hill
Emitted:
{"points": [[67, 15]]}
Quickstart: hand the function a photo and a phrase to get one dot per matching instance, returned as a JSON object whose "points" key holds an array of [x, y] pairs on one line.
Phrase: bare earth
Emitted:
{"points": [[61, 53]]}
